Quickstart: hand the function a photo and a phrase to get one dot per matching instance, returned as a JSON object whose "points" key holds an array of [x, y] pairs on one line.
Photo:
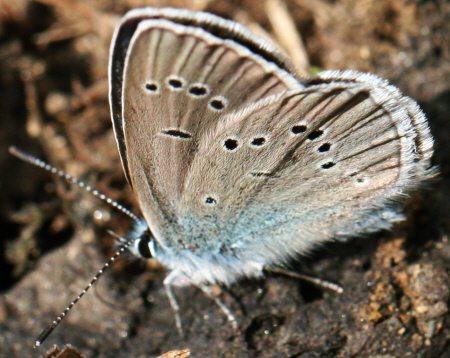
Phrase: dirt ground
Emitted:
{"points": [[54, 104]]}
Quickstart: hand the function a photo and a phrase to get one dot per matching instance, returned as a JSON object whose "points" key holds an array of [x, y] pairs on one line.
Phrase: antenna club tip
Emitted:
{"points": [[18, 153], [12, 149], [45, 333]]}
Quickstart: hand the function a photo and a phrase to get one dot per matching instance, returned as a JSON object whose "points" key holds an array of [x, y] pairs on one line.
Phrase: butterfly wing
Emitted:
{"points": [[171, 83], [234, 159], [326, 161]]}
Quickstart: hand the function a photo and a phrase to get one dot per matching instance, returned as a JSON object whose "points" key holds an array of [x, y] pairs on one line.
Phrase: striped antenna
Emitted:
{"points": [[50, 168], [125, 243], [49, 329]]}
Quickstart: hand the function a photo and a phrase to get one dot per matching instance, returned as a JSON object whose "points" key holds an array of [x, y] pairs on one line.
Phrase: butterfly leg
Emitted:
{"points": [[208, 292], [172, 300], [317, 281]]}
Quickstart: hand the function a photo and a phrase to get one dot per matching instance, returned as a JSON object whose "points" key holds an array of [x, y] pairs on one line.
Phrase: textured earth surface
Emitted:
{"points": [[53, 86]]}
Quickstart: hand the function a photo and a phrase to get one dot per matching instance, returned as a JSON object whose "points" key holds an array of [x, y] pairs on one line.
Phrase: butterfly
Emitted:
{"points": [[239, 164]]}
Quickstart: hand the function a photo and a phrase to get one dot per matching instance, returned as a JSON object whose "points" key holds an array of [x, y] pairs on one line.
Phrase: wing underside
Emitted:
{"points": [[231, 155]]}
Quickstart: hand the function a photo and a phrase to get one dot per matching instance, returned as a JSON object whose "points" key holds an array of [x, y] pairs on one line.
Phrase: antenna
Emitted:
{"points": [[49, 329], [125, 243], [50, 168]]}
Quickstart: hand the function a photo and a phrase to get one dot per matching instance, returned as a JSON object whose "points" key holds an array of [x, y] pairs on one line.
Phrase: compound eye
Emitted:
{"points": [[144, 246]]}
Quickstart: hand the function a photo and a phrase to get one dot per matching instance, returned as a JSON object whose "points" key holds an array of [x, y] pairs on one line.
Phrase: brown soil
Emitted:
{"points": [[54, 89]]}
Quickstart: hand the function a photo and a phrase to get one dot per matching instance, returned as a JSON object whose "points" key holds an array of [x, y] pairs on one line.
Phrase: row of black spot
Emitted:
{"points": [[231, 144], [197, 90], [301, 128]]}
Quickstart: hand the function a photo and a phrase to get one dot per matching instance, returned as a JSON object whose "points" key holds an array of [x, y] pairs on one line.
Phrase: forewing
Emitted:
{"points": [[177, 82]]}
